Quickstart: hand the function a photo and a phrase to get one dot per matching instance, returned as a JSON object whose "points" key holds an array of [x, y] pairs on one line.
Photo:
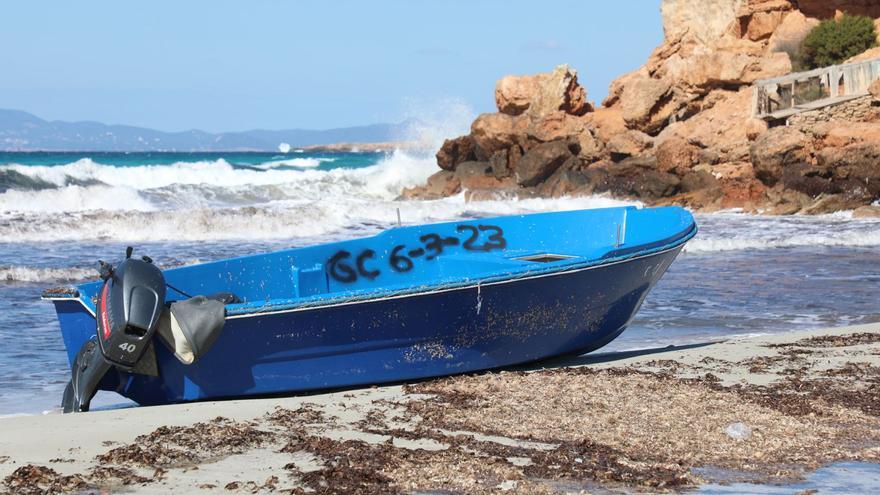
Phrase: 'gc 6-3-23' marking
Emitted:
{"points": [[343, 269]]}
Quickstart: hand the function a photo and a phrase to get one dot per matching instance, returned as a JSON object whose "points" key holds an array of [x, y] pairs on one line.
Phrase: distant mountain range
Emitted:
{"points": [[22, 131]]}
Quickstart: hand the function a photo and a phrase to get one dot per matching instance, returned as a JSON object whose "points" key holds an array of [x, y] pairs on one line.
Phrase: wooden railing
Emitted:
{"points": [[784, 96]]}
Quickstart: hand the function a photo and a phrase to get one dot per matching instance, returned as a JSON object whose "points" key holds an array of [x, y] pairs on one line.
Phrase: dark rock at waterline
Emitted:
{"points": [[569, 179], [854, 170], [697, 181], [775, 149], [440, 185], [479, 175], [466, 170], [833, 177], [455, 151], [500, 164], [634, 177], [540, 162], [809, 179]]}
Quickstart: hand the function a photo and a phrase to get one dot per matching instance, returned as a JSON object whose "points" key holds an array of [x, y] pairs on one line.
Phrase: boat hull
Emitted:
{"points": [[393, 339]]}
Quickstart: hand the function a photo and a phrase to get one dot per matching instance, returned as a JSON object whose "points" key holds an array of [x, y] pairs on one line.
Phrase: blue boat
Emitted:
{"points": [[408, 303]]}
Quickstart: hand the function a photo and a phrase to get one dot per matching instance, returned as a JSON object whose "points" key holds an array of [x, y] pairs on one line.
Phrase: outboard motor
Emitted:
{"points": [[128, 309], [129, 306]]}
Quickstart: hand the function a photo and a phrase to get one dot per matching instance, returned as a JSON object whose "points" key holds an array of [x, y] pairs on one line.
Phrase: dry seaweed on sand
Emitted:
{"points": [[33, 480], [166, 446], [351, 466], [649, 418], [467, 465], [853, 339], [305, 414], [270, 485], [799, 395], [112, 474], [184, 445]]}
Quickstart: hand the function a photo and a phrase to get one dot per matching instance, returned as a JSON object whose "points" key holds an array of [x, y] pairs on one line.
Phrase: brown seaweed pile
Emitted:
{"points": [[175, 446], [34, 480], [467, 465], [848, 340], [797, 423]]}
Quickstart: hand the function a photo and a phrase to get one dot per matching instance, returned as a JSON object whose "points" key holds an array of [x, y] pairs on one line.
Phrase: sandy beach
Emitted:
{"points": [[769, 408]]}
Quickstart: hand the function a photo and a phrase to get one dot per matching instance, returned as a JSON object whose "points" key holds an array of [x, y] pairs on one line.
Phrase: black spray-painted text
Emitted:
{"points": [[348, 268]]}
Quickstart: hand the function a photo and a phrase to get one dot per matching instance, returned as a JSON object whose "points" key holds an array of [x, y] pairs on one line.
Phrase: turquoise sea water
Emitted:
{"points": [[243, 159], [61, 212]]}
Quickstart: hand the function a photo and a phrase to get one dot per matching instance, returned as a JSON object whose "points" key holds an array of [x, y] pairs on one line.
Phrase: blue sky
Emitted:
{"points": [[225, 66]]}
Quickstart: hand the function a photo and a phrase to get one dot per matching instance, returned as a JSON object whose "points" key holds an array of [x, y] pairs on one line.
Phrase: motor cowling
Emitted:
{"points": [[128, 309]]}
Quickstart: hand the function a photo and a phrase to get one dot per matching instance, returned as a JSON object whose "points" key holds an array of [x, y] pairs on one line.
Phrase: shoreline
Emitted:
{"points": [[632, 420]]}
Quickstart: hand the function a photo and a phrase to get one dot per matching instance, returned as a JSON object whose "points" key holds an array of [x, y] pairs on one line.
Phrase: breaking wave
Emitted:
{"points": [[73, 198], [281, 220], [296, 163], [87, 186], [280, 199], [772, 242], [144, 177], [215, 200], [11, 274], [740, 232]]}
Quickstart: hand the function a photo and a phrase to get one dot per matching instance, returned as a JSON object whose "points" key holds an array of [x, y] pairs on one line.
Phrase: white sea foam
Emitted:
{"points": [[73, 198], [208, 183], [295, 162], [214, 173], [738, 232], [708, 245], [336, 217], [48, 275], [18, 273]]}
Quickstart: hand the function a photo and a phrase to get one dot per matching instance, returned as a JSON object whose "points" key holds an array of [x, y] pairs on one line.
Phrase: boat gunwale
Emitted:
{"points": [[281, 306]]}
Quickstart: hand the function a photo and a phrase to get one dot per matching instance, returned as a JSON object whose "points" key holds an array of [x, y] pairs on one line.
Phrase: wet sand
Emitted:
{"points": [[767, 409]]}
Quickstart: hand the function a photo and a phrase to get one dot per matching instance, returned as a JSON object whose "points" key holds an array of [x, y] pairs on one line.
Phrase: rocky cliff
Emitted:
{"points": [[679, 129]]}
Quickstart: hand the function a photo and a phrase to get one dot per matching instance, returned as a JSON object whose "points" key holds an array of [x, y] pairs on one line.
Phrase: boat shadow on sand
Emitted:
{"points": [[595, 358]]}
